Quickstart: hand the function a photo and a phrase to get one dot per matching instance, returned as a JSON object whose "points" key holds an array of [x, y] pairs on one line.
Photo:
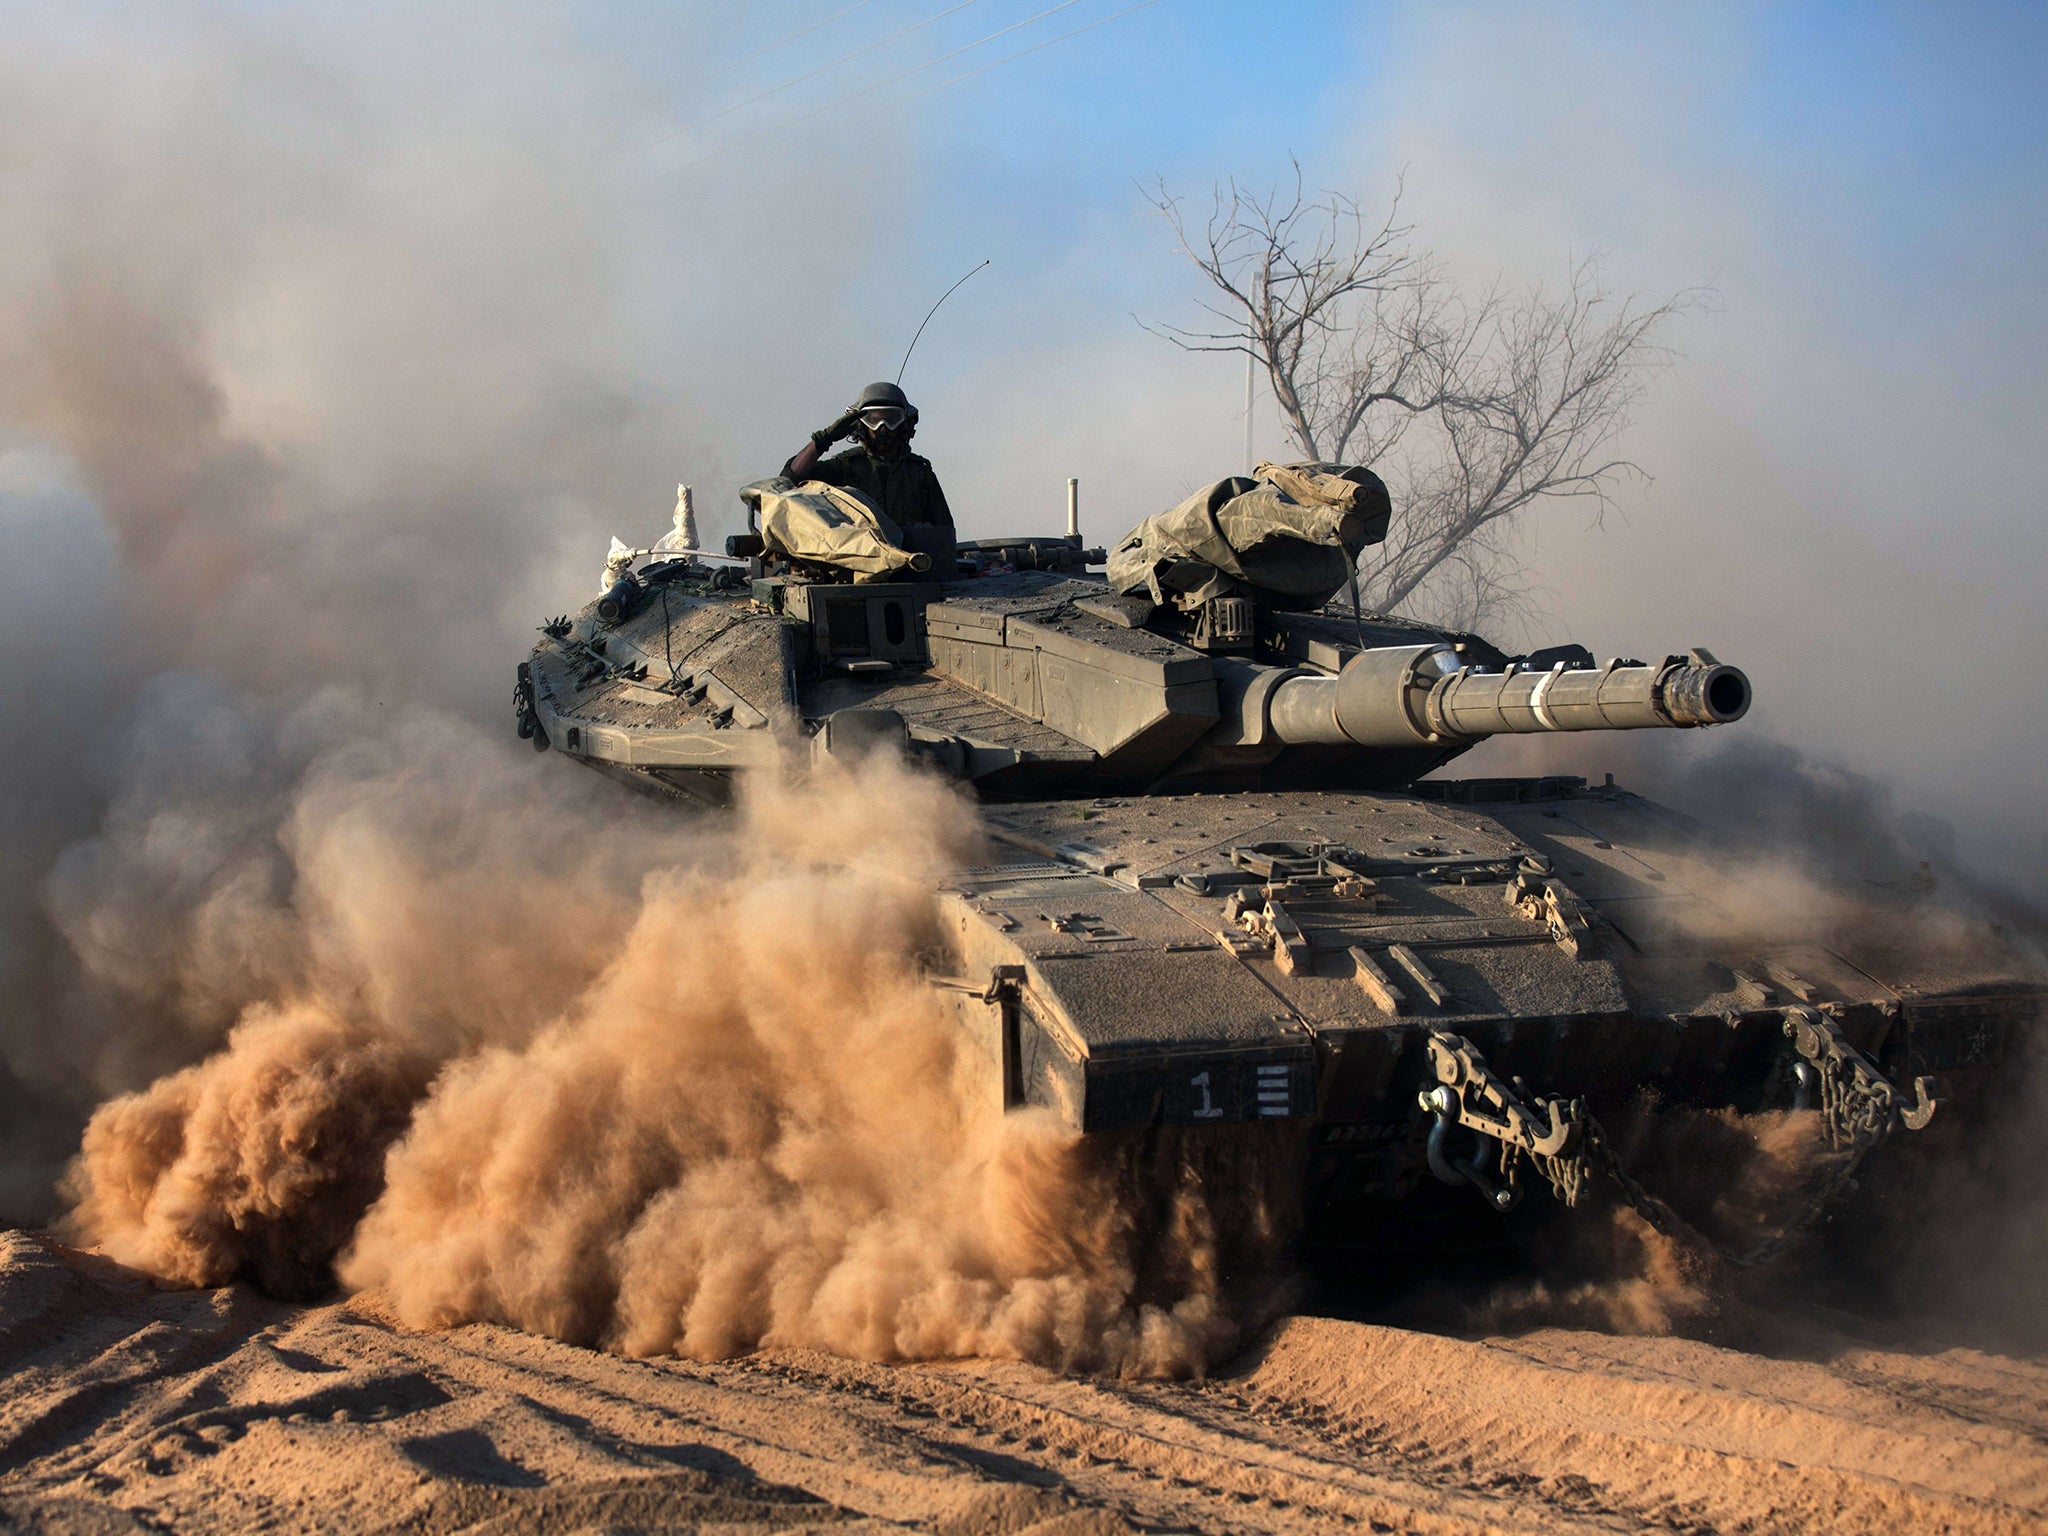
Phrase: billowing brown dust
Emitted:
{"points": [[754, 1123], [258, 1161], [1731, 1187]]}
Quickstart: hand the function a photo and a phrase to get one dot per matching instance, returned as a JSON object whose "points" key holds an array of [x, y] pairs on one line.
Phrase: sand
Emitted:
{"points": [[131, 1408]]}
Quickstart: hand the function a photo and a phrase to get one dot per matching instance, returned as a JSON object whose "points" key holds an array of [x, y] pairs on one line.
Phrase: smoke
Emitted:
{"points": [[723, 1111], [322, 876], [255, 851], [324, 373], [312, 368], [322, 346]]}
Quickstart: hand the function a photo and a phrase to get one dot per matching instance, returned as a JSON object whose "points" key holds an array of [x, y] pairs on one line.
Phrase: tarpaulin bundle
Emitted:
{"points": [[1287, 535], [827, 525]]}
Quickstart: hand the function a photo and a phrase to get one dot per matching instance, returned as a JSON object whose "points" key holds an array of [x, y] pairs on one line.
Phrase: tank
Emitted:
{"points": [[1232, 888]]}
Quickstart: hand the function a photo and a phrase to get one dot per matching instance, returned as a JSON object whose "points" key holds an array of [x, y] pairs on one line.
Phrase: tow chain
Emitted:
{"points": [[1858, 1104], [1563, 1142], [1546, 1130]]}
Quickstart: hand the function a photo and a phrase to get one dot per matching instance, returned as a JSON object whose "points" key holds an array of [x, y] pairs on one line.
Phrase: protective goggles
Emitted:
{"points": [[884, 417]]}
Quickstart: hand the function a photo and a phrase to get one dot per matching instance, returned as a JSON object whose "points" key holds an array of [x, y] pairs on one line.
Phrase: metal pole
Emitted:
{"points": [[1073, 509], [1250, 363]]}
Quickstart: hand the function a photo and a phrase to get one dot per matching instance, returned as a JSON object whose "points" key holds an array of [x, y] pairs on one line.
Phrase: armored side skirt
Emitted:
{"points": [[1372, 1075]]}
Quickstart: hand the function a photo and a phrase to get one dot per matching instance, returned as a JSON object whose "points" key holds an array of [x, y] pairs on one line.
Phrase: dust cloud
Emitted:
{"points": [[1937, 1234], [304, 408], [1736, 1184], [341, 894], [323, 374], [747, 1120], [257, 1162]]}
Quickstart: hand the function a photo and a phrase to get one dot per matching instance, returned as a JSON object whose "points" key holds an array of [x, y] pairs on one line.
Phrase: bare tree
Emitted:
{"points": [[1471, 408]]}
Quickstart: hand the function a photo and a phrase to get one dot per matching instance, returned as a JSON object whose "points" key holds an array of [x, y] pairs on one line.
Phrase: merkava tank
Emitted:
{"points": [[1225, 891]]}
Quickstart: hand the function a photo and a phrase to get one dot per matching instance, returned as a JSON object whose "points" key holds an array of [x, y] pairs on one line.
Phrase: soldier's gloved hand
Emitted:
{"points": [[839, 431]]}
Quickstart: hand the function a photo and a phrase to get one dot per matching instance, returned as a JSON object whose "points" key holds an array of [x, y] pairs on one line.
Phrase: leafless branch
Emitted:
{"points": [[1473, 409]]}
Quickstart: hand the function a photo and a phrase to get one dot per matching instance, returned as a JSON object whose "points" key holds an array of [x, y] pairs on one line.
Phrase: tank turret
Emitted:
{"points": [[1023, 673], [1208, 654]]}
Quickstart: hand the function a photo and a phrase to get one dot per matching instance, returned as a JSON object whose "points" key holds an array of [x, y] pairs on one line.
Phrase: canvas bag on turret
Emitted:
{"points": [[827, 525], [1287, 535]]}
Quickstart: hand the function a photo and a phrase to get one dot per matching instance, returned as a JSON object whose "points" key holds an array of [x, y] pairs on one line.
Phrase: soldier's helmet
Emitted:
{"points": [[887, 418], [883, 393]]}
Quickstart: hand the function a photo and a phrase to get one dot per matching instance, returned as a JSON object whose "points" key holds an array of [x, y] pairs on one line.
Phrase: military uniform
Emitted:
{"points": [[903, 485]]}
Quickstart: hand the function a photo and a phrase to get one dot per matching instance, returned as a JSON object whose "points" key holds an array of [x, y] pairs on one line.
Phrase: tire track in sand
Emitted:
{"points": [[1673, 1433], [217, 1412]]}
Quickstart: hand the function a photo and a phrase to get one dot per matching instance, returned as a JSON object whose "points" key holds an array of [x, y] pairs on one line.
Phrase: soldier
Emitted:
{"points": [[882, 468]]}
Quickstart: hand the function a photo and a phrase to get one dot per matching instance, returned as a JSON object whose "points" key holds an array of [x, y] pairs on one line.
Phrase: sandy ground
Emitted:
{"points": [[127, 1408]]}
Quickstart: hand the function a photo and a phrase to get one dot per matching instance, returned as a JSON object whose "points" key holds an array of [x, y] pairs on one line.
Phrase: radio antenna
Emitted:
{"points": [[927, 320]]}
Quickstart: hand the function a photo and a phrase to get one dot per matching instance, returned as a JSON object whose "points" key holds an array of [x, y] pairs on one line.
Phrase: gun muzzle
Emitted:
{"points": [[1411, 696]]}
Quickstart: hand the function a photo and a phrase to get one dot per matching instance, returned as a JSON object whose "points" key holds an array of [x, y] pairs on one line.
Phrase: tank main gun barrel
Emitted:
{"points": [[1426, 695]]}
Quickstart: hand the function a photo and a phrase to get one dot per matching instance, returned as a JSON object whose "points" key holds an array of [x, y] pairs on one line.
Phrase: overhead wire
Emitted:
{"points": [[777, 90], [869, 90], [1034, 48], [786, 41]]}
